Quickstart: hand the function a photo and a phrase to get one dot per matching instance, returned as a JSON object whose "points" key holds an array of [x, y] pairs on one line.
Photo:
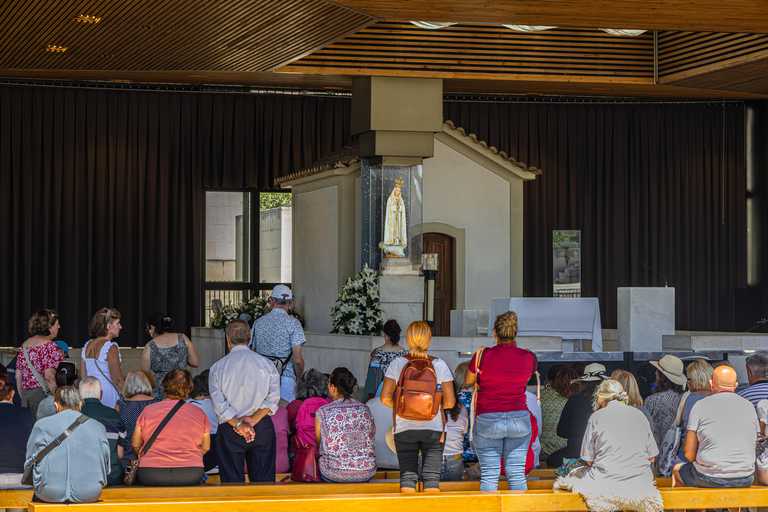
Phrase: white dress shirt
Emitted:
{"points": [[243, 382]]}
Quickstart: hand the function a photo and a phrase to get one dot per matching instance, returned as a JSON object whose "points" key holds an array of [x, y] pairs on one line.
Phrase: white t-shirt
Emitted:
{"points": [[726, 426], [443, 375], [619, 442], [454, 432]]}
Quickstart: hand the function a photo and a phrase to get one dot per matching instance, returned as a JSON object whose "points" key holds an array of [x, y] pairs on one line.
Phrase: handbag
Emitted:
{"points": [[40, 380], [305, 465], [26, 478], [133, 468], [672, 440]]}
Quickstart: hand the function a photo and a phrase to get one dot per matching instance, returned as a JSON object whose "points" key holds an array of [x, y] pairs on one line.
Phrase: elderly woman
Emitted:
{"points": [[101, 356], [503, 426], [344, 432], [699, 375], [576, 413], [311, 384], [618, 448], [629, 384], [559, 387], [176, 456], [663, 403], [37, 381], [166, 350], [137, 395], [414, 436], [382, 356]]}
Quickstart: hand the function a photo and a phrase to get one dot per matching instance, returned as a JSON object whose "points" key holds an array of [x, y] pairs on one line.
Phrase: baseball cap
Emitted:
{"points": [[281, 292]]}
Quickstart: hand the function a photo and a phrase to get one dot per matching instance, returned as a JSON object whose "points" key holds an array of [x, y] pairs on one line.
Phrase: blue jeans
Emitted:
{"points": [[507, 435]]}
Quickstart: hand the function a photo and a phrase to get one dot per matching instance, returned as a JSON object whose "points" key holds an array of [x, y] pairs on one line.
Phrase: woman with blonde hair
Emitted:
{"points": [[414, 436], [618, 448], [699, 373], [504, 425], [628, 382]]}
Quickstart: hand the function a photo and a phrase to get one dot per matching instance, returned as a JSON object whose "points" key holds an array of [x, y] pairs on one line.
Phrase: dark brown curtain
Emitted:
{"points": [[661, 185], [101, 193]]}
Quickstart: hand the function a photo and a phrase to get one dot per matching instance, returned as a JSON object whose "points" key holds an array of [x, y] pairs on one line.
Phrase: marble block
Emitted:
{"points": [[463, 323], [645, 314], [401, 289], [404, 312]]}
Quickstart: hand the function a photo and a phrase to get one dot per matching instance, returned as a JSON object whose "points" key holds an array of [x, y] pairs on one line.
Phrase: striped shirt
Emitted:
{"points": [[756, 392], [113, 424]]}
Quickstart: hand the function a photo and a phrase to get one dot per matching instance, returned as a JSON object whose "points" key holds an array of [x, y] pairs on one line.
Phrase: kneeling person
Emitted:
{"points": [[722, 432], [76, 470]]}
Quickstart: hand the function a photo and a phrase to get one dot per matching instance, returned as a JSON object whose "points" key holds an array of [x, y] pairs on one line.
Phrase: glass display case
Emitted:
{"points": [[392, 217]]}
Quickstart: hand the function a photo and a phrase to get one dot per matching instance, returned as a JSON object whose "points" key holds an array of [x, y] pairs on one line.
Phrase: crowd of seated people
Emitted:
{"points": [[233, 420]]}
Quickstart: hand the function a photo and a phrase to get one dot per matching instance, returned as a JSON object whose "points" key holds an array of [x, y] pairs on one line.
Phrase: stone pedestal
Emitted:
{"points": [[210, 345], [644, 316], [468, 323], [402, 298]]}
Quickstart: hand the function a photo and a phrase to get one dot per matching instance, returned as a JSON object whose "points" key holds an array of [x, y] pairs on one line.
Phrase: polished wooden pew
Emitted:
{"points": [[541, 500]]}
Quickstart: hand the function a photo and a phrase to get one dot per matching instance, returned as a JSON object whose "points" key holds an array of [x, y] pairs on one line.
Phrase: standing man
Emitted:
{"points": [[757, 375], [279, 337], [90, 392], [720, 440], [245, 390]]}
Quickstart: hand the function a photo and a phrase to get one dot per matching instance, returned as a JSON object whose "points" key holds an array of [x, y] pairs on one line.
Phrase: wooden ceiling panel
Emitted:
{"points": [[750, 16], [749, 78], [467, 51], [225, 35]]}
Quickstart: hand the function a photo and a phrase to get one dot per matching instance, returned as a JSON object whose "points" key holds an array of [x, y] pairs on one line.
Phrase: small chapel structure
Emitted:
{"points": [[472, 216]]}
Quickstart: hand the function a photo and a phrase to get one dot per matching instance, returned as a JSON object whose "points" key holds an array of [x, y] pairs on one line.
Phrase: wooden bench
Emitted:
{"points": [[543, 500]]}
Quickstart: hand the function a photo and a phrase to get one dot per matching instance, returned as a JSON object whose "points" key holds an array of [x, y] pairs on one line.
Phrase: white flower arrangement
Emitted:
{"points": [[357, 309], [250, 311]]}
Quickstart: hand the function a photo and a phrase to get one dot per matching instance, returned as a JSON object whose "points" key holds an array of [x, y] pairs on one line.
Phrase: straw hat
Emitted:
{"points": [[391, 440], [592, 372], [672, 368]]}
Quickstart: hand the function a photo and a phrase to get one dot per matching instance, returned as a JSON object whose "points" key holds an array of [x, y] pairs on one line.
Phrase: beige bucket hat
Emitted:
{"points": [[672, 368]]}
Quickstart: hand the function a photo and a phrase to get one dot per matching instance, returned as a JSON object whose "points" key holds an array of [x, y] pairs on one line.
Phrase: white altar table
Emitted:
{"points": [[571, 319]]}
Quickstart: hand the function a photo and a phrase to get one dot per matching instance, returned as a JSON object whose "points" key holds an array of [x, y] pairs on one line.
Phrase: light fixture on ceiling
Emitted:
{"points": [[528, 28], [84, 18], [623, 32], [55, 49], [432, 25]]}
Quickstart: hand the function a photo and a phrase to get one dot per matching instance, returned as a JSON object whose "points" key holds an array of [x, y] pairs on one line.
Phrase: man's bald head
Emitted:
{"points": [[724, 380]]}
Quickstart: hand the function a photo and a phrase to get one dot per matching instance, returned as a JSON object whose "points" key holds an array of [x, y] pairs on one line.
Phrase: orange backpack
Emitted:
{"points": [[418, 395]]}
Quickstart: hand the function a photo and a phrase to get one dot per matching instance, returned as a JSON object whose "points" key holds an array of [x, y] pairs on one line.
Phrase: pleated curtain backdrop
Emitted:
{"points": [[660, 185], [101, 194]]}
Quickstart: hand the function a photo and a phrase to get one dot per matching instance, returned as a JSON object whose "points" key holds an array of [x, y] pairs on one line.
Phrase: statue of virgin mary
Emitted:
{"points": [[395, 229]]}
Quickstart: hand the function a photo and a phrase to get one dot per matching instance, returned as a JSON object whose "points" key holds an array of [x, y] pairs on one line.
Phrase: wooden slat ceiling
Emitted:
{"points": [[492, 52], [749, 16], [318, 44], [225, 35]]}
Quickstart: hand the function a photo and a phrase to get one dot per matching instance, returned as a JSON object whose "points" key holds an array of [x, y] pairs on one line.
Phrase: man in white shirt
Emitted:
{"points": [[721, 437], [245, 390]]}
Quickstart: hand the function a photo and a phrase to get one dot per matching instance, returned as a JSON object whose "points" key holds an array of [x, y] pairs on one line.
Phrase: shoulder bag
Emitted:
{"points": [[39, 378], [133, 468], [672, 440], [26, 478]]}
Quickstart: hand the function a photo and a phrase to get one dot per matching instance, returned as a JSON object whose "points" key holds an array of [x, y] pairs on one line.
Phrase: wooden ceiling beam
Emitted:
{"points": [[746, 16]]}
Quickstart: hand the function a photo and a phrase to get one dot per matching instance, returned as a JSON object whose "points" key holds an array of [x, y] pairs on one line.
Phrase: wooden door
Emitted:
{"points": [[444, 296]]}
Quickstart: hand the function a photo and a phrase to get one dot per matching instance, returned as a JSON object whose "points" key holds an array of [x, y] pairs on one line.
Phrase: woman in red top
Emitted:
{"points": [[44, 355], [176, 456], [503, 423]]}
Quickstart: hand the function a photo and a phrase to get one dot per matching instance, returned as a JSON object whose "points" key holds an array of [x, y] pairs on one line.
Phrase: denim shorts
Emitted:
{"points": [[692, 478]]}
